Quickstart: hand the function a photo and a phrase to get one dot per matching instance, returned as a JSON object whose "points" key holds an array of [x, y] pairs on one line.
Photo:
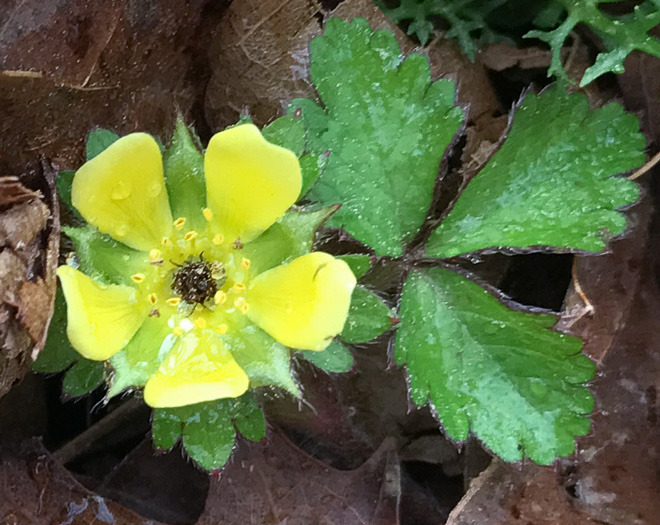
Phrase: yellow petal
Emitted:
{"points": [[198, 368], [122, 192], [250, 182], [303, 304], [101, 320]]}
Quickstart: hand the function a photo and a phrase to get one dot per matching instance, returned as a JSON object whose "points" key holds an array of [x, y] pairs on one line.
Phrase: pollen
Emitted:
{"points": [[245, 263], [220, 297], [138, 277], [200, 323], [177, 331], [190, 235], [155, 254], [173, 301], [222, 329], [218, 239], [208, 214], [153, 298], [239, 287], [241, 305], [180, 223]]}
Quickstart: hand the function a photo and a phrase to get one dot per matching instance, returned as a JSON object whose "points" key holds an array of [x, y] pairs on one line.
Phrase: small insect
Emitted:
{"points": [[198, 281]]}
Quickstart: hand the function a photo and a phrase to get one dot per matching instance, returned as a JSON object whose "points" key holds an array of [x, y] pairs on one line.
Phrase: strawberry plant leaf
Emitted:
{"points": [[552, 183], [386, 126], [501, 373], [368, 317], [337, 358]]}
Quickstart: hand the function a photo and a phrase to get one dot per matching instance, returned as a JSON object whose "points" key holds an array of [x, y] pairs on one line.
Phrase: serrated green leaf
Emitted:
{"points": [[184, 177], [359, 264], [290, 237], [99, 140], [387, 127], [337, 358], [368, 317], [249, 418], [209, 435], [64, 181], [552, 183], [311, 167], [166, 428], [503, 374], [287, 132], [103, 258], [82, 378]]}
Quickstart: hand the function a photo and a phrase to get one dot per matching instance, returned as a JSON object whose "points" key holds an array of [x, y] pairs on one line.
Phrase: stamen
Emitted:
{"points": [[245, 263], [153, 298], [218, 239], [238, 245], [138, 277], [155, 254], [166, 241], [173, 301], [241, 305], [239, 287], [190, 235], [177, 331], [220, 297], [154, 312], [208, 214], [180, 223], [222, 329], [200, 323]]}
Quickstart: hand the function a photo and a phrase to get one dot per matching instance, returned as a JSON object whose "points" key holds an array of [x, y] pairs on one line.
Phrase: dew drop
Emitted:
{"points": [[121, 190], [154, 189], [122, 230]]}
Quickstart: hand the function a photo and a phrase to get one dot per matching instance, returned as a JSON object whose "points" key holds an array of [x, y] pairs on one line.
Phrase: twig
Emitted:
{"points": [[646, 167]]}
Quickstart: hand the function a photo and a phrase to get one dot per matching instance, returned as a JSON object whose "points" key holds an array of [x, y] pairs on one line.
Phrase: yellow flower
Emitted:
{"points": [[196, 284]]}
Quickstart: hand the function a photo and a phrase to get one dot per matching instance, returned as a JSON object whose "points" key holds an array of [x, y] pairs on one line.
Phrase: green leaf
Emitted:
{"points": [[82, 378], [166, 428], [290, 237], [249, 418], [503, 374], [64, 181], [287, 132], [103, 258], [337, 358], [387, 127], [184, 177], [311, 167], [359, 264], [368, 317], [99, 140], [552, 183]]}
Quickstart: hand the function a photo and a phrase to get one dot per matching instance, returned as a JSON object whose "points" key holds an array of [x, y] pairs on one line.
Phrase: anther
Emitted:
{"points": [[200, 323], [155, 254], [153, 298], [218, 239], [222, 329], [208, 214], [138, 277], [245, 263], [190, 235], [220, 297], [154, 312], [173, 301], [241, 305], [238, 245], [166, 241], [177, 331], [239, 287], [180, 223]]}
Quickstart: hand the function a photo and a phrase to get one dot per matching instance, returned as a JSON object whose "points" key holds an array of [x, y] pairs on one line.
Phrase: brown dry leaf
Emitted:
{"points": [[260, 56], [36, 490], [278, 483], [613, 477]]}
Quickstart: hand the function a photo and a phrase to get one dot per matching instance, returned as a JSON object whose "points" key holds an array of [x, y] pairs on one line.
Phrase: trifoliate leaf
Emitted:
{"points": [[503, 374], [82, 375], [368, 317], [98, 141], [359, 264], [337, 358], [183, 164], [621, 35], [386, 126], [552, 183]]}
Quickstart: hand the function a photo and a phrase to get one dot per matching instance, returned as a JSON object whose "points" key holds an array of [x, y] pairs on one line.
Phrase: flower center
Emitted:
{"points": [[196, 282]]}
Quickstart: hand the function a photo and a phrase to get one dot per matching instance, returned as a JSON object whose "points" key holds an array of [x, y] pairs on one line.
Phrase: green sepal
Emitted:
{"points": [[368, 317], [183, 164], [103, 258], [337, 358], [359, 264], [552, 183], [82, 378], [291, 236], [502, 373], [98, 141]]}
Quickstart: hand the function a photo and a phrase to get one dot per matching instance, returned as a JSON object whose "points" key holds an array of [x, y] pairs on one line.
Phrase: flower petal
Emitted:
{"points": [[122, 192], [303, 304], [250, 182], [197, 369], [101, 319]]}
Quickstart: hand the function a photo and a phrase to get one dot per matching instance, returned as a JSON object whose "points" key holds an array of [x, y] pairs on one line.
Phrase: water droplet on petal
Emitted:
{"points": [[121, 190], [155, 189], [122, 230]]}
